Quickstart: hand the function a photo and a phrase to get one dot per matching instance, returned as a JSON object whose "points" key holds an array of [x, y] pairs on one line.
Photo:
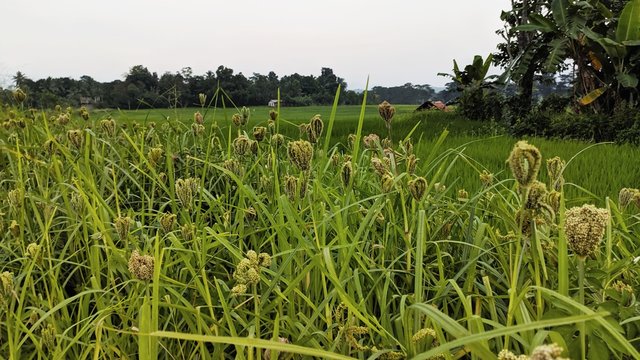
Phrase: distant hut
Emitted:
{"points": [[89, 102], [274, 103]]}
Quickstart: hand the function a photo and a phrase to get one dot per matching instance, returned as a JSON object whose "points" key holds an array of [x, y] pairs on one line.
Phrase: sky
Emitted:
{"points": [[391, 42]]}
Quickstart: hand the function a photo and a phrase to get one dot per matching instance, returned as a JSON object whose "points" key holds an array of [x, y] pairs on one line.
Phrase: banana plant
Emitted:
{"points": [[581, 31], [473, 75]]}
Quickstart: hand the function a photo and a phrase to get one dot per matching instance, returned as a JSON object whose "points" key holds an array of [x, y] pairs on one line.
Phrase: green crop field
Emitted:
{"points": [[161, 234]]}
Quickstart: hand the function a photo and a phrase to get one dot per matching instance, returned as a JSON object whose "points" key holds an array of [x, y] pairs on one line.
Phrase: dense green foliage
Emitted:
{"points": [[218, 238], [598, 39]]}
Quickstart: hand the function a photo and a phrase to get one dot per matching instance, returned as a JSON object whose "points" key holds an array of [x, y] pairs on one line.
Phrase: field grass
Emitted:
{"points": [[198, 239]]}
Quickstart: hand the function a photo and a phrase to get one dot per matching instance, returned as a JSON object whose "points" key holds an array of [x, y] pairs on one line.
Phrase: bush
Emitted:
{"points": [[480, 104]]}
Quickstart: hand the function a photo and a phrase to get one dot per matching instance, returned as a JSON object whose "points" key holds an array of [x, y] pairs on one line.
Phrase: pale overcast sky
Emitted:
{"points": [[394, 42]]}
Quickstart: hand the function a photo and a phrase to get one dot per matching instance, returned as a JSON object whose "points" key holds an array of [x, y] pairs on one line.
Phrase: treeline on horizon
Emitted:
{"points": [[142, 88]]}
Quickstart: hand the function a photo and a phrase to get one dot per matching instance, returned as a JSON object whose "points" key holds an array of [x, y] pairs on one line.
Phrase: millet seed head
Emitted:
{"points": [[411, 164], [237, 119], [585, 227], [277, 140], [486, 178], [167, 222], [553, 199], [259, 132], [387, 182], [386, 143], [19, 95], [122, 224], [346, 173], [625, 197], [418, 188], [300, 153], [76, 138], [379, 166], [316, 125], [546, 352], [198, 129], [386, 111], [537, 195], [291, 186], [6, 280], [423, 333], [555, 167], [245, 113], [371, 141], [141, 266], [242, 145], [84, 113], [525, 161], [198, 118]]}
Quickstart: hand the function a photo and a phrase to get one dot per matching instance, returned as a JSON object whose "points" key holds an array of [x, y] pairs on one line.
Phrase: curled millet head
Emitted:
{"points": [[76, 138], [188, 231], [122, 224], [259, 132], [245, 113], [300, 153], [525, 161], [198, 129], [585, 227], [537, 195], [315, 126], [6, 280], [371, 141], [411, 164], [242, 145], [418, 188], [19, 95], [346, 173], [198, 118], [33, 251], [386, 111], [141, 266], [237, 119], [625, 197], [167, 222], [108, 126], [291, 186], [387, 182], [486, 178], [84, 113], [553, 199], [155, 155], [379, 166], [14, 228], [555, 167], [277, 140]]}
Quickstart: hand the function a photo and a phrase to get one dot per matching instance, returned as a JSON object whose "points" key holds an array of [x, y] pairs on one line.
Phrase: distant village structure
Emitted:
{"points": [[274, 103], [89, 102]]}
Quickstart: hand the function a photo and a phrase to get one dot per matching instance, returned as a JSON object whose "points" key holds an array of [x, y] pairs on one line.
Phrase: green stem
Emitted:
{"points": [[515, 271], [256, 305], [581, 326]]}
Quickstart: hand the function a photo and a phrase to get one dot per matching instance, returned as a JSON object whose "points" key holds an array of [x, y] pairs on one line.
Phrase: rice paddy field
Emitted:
{"points": [[363, 233]]}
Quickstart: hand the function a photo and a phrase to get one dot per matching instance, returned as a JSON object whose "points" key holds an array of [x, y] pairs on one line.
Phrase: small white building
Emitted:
{"points": [[273, 103]]}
